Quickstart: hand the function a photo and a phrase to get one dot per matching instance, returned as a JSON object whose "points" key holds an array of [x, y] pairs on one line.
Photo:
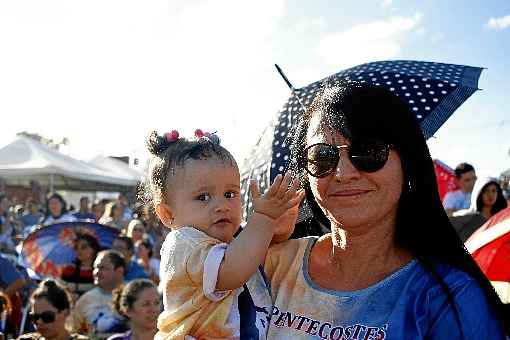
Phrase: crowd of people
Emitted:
{"points": [[391, 265], [96, 295]]}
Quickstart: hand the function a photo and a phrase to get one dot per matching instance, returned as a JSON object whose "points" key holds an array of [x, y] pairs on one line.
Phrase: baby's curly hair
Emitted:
{"points": [[169, 155]]}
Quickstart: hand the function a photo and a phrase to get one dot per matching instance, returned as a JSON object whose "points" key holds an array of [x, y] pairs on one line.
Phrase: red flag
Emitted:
{"points": [[445, 177]]}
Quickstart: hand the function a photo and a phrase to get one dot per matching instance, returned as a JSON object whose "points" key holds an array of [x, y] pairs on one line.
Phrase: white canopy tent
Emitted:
{"points": [[116, 167], [25, 159]]}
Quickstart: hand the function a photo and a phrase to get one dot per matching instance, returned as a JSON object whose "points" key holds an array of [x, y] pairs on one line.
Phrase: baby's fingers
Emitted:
{"points": [[284, 187], [273, 189], [254, 189]]}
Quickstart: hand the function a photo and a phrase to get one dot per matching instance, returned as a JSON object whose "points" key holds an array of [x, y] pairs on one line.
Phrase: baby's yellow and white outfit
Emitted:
{"points": [[190, 261]]}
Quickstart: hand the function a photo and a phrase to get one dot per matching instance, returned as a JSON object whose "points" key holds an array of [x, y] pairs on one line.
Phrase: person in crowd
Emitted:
{"points": [[7, 230], [487, 200], [127, 211], [78, 276], [84, 213], [93, 313], [125, 246], [98, 210], [392, 266], [12, 282], [211, 281], [114, 216], [5, 313], [31, 215], [50, 305], [465, 177], [56, 211], [135, 230], [144, 258], [140, 303]]}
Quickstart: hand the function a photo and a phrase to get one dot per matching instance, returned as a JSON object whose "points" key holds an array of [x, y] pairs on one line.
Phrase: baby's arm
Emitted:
{"points": [[247, 251]]}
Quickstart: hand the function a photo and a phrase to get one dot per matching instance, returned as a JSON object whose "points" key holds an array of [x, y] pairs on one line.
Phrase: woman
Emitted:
{"points": [[135, 230], [114, 216], [50, 304], [145, 259], [392, 266], [78, 276], [486, 200], [140, 303], [56, 211]]}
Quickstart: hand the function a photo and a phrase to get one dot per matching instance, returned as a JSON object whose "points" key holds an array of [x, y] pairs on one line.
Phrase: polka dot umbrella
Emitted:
{"points": [[432, 90]]}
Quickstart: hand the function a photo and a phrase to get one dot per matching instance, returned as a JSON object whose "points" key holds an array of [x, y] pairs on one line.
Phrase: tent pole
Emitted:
{"points": [[51, 183]]}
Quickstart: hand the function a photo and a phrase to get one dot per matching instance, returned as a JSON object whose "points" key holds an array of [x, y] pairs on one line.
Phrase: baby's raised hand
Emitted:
{"points": [[281, 196]]}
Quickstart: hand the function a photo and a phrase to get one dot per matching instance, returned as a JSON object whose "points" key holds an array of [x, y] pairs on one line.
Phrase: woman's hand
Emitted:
{"points": [[285, 224]]}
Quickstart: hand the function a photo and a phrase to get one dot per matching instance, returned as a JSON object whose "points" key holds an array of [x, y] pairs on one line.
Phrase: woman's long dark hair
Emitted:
{"points": [[360, 111], [500, 203], [62, 202]]}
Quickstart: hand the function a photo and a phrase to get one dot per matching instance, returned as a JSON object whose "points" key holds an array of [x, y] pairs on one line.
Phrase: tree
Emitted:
{"points": [[46, 141]]}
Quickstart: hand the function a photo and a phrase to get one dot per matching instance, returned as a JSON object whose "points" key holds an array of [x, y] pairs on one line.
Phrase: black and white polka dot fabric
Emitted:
{"points": [[432, 90]]}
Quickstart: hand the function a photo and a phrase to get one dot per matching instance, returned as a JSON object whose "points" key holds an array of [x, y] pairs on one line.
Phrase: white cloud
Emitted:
{"points": [[367, 42], [499, 23]]}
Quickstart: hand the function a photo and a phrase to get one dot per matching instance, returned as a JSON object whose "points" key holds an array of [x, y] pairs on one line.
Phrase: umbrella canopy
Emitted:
{"points": [[26, 159], [433, 92], [490, 248], [49, 249]]}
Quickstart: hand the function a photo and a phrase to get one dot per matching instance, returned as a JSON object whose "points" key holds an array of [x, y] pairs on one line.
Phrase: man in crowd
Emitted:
{"points": [[84, 212], [125, 246], [93, 313], [465, 177]]}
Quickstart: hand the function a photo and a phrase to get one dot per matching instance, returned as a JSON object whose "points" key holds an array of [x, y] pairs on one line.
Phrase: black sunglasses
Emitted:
{"points": [[366, 156], [46, 317]]}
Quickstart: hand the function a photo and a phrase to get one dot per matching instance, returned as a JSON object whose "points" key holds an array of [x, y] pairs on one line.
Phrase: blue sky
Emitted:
{"points": [[105, 73]]}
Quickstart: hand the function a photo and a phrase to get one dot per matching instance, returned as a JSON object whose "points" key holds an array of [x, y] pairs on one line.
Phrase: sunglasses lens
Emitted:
{"points": [[369, 156], [321, 159], [46, 317]]}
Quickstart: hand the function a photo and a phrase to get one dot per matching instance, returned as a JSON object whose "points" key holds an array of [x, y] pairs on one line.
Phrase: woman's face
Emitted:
{"points": [[146, 309], [55, 206], [138, 231], [353, 198], [117, 212], [141, 250], [489, 195], [84, 252], [42, 309]]}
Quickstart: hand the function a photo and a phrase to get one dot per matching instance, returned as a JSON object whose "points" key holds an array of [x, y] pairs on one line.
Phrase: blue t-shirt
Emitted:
{"points": [[134, 271], [408, 304], [8, 273]]}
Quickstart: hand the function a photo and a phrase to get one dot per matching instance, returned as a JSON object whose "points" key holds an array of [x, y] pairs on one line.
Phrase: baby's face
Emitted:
{"points": [[206, 195]]}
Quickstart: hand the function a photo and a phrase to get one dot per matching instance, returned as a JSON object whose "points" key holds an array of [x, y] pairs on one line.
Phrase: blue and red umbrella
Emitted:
{"points": [[49, 249]]}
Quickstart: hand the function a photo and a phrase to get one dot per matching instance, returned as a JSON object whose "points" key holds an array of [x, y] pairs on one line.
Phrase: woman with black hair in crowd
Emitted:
{"points": [[392, 266], [78, 276], [56, 211], [139, 302], [486, 200], [144, 252], [50, 305]]}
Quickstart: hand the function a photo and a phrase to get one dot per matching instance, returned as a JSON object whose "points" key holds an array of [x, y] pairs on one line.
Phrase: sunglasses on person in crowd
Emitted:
{"points": [[367, 156], [46, 317]]}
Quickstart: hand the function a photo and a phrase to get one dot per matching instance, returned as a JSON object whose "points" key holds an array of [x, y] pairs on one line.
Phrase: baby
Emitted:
{"points": [[213, 287]]}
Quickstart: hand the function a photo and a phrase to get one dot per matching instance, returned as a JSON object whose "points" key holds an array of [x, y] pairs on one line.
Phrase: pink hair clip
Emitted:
{"points": [[171, 136]]}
